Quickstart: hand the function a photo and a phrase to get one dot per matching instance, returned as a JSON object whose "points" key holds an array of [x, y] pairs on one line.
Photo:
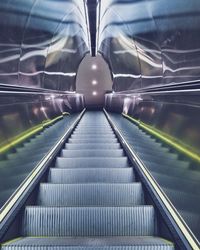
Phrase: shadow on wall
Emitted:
{"points": [[93, 80]]}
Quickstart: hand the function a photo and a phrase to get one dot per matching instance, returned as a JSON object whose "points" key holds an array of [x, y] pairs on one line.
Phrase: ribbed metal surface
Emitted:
{"points": [[89, 221], [93, 140], [86, 175], [90, 194], [172, 182], [122, 243], [97, 162], [146, 247], [93, 131], [92, 146], [92, 153], [85, 136]]}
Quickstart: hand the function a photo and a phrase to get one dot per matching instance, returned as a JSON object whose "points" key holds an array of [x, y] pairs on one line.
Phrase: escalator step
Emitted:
{"points": [[89, 221], [91, 194], [183, 201], [93, 146], [96, 136], [117, 162], [92, 153], [93, 140], [157, 157], [176, 183], [84, 243], [86, 175], [93, 131]]}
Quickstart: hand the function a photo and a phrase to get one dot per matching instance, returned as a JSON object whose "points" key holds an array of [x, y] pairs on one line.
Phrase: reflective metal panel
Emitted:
{"points": [[22, 111], [150, 43], [42, 42], [175, 113], [163, 128]]}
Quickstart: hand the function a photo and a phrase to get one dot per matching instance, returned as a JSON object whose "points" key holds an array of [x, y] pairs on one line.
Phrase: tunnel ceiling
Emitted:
{"points": [[42, 42], [150, 43], [147, 43]]}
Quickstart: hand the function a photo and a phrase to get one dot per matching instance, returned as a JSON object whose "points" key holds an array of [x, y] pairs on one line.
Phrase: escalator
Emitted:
{"points": [[92, 198], [18, 163], [177, 175]]}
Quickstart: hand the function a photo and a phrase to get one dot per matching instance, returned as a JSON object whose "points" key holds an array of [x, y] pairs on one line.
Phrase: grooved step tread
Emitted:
{"points": [[95, 140], [89, 221], [83, 243], [97, 194], [97, 162], [95, 136], [92, 153], [92, 146], [91, 175]]}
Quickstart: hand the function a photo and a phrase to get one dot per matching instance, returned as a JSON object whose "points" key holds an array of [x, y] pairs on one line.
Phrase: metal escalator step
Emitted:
{"points": [[93, 133], [5, 194], [182, 165], [157, 157], [176, 183], [97, 194], [164, 160], [28, 150], [159, 154], [183, 201], [21, 158], [96, 136], [92, 153], [94, 129], [150, 150], [12, 181], [83, 243], [91, 175], [139, 142], [93, 136], [97, 162], [89, 221], [10, 168], [93, 146], [193, 220], [175, 170], [93, 140]]}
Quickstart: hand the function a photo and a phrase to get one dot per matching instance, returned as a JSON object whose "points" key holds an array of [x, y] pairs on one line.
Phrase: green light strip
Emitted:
{"points": [[165, 138], [29, 133]]}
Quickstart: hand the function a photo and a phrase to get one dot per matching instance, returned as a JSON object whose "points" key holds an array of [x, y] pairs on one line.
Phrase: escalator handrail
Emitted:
{"points": [[185, 231], [36, 172]]}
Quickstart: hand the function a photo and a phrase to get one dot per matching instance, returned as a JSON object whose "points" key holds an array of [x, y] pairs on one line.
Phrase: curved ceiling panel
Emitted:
{"points": [[42, 42], [150, 42]]}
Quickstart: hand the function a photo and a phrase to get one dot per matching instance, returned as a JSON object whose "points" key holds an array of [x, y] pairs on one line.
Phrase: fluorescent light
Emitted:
{"points": [[94, 67], [94, 93], [43, 109], [94, 82]]}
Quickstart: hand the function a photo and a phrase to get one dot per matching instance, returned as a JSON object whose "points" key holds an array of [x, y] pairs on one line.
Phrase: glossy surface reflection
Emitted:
{"points": [[42, 42], [150, 43]]}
